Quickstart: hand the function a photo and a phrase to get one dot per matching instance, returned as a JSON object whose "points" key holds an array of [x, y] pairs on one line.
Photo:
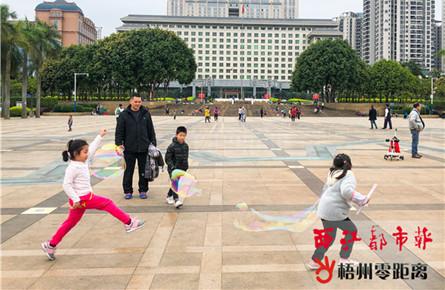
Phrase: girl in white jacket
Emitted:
{"points": [[334, 207], [78, 188]]}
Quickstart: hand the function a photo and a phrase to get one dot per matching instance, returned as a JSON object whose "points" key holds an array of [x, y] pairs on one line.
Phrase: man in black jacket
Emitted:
{"points": [[135, 131], [373, 117]]}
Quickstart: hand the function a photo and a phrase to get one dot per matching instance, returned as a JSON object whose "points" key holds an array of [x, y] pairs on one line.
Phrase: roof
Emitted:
{"points": [[135, 20], [59, 4]]}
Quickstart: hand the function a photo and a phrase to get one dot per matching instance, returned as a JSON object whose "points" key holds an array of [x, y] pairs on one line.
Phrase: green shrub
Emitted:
{"points": [[48, 102], [17, 111]]}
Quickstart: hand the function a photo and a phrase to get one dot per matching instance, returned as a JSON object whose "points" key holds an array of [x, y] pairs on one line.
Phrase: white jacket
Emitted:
{"points": [[77, 175]]}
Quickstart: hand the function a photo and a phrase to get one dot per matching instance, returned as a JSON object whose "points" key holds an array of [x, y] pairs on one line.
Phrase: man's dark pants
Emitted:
{"points": [[130, 160]]}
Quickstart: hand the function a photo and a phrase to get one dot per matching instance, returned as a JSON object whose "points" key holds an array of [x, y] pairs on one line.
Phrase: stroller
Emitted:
{"points": [[394, 148]]}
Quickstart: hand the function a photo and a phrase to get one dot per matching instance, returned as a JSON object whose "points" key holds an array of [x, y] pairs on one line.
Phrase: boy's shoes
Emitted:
{"points": [[143, 195], [49, 251], [313, 265], [170, 200], [134, 225], [347, 261], [178, 203]]}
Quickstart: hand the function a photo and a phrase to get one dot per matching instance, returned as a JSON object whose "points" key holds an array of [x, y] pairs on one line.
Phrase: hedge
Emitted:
{"points": [[70, 108], [17, 111]]}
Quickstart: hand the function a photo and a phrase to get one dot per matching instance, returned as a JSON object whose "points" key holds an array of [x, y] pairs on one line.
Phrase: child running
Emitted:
{"points": [[176, 157], [78, 188], [70, 123], [334, 207]]}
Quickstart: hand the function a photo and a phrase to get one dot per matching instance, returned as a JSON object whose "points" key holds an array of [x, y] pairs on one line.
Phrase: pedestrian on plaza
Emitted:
{"points": [[216, 114], [387, 117], [261, 112], [334, 207], [373, 117], [244, 114], [416, 125], [294, 113], [207, 115], [298, 113], [118, 111], [176, 157], [135, 132], [77, 186], [240, 114], [70, 123], [174, 114]]}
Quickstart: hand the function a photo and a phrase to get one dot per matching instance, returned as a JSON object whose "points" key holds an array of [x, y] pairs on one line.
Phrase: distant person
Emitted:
{"points": [[240, 113], [405, 115], [174, 114], [70, 123], [387, 117], [293, 113], [373, 117], [118, 111], [284, 113], [416, 125], [261, 112], [216, 114], [298, 113], [207, 115], [244, 114]]}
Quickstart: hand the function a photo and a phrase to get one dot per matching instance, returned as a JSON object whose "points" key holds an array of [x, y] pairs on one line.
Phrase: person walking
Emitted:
{"points": [[387, 117], [207, 115], [135, 132], [70, 123], [215, 114], [373, 117], [118, 111], [416, 125], [261, 112]]}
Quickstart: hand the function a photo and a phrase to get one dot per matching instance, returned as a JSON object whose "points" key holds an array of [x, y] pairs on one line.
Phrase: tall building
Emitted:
{"points": [[400, 30], [69, 20], [234, 48], [443, 35], [437, 44], [234, 8], [350, 24]]}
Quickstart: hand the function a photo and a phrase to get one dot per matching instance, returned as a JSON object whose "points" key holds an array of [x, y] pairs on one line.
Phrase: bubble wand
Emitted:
{"points": [[368, 198]]}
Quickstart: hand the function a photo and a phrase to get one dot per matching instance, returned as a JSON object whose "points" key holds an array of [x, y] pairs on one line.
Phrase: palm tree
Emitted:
{"points": [[441, 53], [7, 42], [45, 42], [25, 30]]}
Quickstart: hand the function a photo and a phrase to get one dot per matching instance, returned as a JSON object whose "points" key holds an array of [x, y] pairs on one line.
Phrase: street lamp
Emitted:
{"points": [[432, 94], [75, 87]]}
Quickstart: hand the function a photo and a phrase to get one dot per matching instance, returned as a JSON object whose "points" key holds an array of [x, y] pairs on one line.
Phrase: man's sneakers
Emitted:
{"points": [[416, 156], [49, 251], [143, 195], [128, 195], [170, 200], [347, 261], [134, 225], [178, 203]]}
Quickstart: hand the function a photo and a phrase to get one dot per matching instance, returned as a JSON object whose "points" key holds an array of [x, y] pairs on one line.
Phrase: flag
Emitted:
{"points": [[231, 69], [243, 10]]}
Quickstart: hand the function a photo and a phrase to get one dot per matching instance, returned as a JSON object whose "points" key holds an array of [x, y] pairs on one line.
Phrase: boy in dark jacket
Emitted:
{"points": [[177, 158]]}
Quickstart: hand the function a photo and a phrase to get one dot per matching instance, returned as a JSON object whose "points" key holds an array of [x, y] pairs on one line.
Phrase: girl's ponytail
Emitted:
{"points": [[341, 162], [65, 156]]}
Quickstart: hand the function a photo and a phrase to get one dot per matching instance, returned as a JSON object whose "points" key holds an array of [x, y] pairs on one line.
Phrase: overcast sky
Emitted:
{"points": [[107, 13]]}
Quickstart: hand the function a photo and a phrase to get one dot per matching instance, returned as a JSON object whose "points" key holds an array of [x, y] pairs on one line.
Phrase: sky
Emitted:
{"points": [[107, 13]]}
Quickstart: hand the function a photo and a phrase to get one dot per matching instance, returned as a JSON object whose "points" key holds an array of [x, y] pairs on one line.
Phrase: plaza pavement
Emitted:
{"points": [[275, 166]]}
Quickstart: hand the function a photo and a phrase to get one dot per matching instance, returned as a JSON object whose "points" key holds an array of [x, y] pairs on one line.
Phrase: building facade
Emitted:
{"points": [[287, 9], [400, 30], [235, 48], [443, 35], [350, 24], [69, 20], [437, 44]]}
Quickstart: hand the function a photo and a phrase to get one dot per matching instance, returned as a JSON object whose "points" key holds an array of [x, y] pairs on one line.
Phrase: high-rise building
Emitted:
{"points": [[400, 30], [350, 24], [234, 8], [69, 20], [443, 34], [437, 44]]}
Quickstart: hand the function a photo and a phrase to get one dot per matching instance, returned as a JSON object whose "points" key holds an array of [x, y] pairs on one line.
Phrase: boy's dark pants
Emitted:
{"points": [[171, 192], [130, 160], [344, 225]]}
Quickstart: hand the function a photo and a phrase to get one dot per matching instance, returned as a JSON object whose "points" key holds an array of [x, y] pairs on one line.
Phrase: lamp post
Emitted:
{"points": [[432, 94], [75, 87]]}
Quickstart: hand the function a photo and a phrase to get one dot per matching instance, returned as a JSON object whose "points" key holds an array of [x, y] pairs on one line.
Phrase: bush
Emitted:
{"points": [[17, 111], [49, 102], [70, 108], [298, 100]]}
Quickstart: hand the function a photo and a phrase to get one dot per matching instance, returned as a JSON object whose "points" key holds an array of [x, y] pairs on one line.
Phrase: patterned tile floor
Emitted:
{"points": [[275, 166]]}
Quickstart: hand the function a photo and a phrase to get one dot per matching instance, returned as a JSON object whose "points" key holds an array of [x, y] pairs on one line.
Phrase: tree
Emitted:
{"points": [[330, 67], [414, 67], [8, 35], [45, 43], [389, 79]]}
